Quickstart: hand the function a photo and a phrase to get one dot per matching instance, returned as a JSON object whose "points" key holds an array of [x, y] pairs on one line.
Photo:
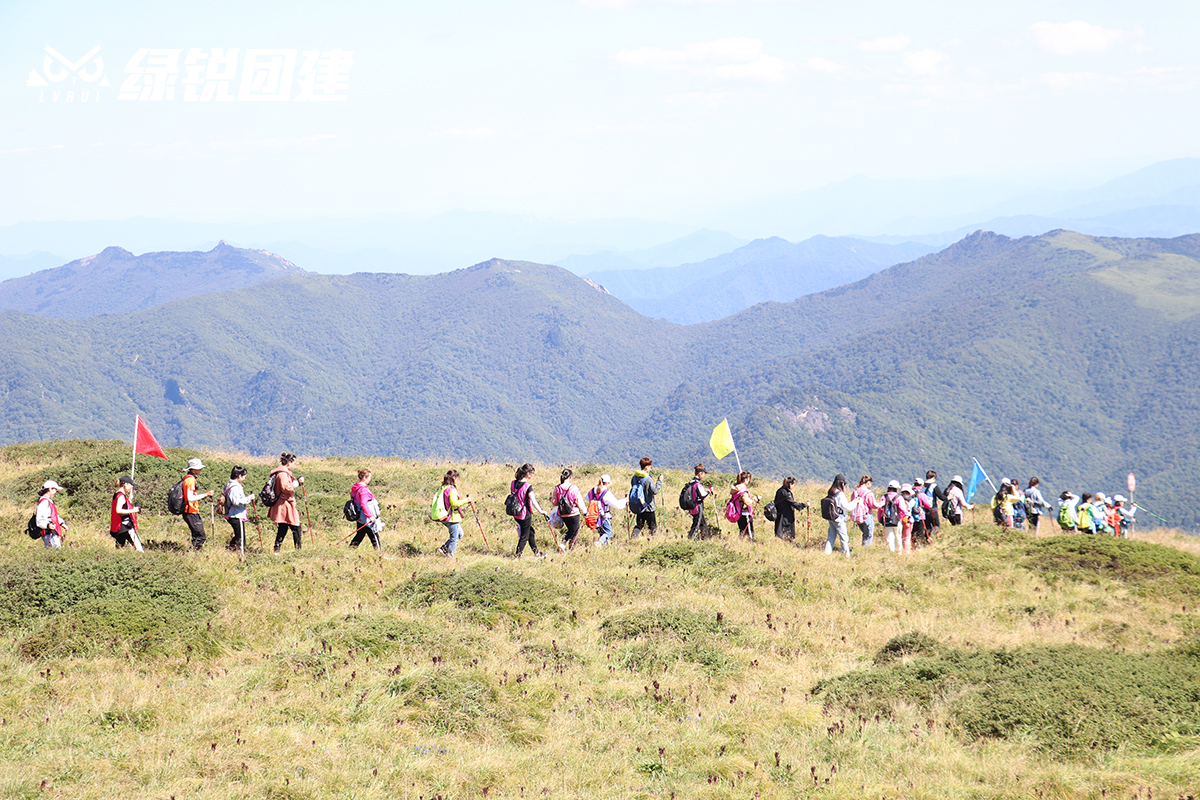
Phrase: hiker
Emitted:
{"points": [[284, 512], [935, 495], [1127, 513], [450, 503], [1020, 512], [191, 502], [698, 492], [569, 501], [368, 523], [920, 512], [1068, 516], [1035, 504], [122, 517], [893, 510], [1003, 504], [956, 501], [785, 509], [602, 501], [47, 519], [1114, 515], [739, 494], [642, 491], [835, 508], [865, 503], [236, 514], [521, 487], [1100, 514]]}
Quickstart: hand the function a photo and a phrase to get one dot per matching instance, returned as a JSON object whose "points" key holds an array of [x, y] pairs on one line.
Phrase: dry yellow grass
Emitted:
{"points": [[544, 708]]}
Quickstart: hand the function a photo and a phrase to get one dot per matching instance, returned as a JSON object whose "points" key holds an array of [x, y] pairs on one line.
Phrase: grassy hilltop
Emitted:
{"points": [[991, 664]]}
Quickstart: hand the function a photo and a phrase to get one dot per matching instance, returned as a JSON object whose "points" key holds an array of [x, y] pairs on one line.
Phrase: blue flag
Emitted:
{"points": [[977, 475]]}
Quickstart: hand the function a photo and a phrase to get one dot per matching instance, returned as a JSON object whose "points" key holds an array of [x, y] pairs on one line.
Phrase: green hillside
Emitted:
{"points": [[988, 665], [1020, 353]]}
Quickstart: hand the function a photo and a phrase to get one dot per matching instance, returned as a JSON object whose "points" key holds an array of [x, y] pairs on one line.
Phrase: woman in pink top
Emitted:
{"points": [[864, 502], [284, 513]]}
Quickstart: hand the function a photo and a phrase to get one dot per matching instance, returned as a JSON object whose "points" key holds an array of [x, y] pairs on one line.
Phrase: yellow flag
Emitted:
{"points": [[721, 441]]}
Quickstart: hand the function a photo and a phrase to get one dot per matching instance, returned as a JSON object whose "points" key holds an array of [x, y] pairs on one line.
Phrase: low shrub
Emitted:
{"points": [[678, 622], [1149, 568], [907, 644], [704, 560], [491, 592]]}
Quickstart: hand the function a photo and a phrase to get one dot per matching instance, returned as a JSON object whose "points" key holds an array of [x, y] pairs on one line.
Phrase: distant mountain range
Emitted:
{"points": [[1067, 356], [763, 270], [698, 246], [116, 281]]}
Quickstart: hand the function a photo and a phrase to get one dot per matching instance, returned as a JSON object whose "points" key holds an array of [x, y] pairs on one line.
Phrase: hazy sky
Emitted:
{"points": [[571, 108]]}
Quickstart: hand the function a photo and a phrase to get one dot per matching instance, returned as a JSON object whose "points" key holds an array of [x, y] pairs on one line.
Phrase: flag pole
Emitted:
{"points": [[738, 459], [133, 458]]}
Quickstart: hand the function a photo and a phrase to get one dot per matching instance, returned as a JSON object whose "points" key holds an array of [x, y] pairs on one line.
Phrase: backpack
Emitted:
{"points": [[948, 508], [1064, 517], [222, 504], [1018, 514], [267, 496], [350, 510], [637, 495], [32, 529], [733, 510], [565, 506], [687, 495], [512, 504], [891, 514], [592, 517], [770, 511], [439, 511], [175, 499], [830, 509]]}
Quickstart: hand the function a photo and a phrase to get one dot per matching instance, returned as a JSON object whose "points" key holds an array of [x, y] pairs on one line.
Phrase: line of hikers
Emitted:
{"points": [[910, 513]]}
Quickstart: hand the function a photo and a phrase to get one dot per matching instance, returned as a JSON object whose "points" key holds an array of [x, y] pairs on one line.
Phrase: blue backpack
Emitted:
{"points": [[637, 494]]}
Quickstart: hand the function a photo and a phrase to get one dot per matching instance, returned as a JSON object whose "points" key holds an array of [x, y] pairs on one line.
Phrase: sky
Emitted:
{"points": [[667, 110]]}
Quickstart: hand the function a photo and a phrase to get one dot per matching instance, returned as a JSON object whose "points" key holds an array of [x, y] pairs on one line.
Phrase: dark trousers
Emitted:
{"points": [[195, 524], [525, 535], [697, 529], [570, 529], [238, 542], [282, 532], [122, 538], [364, 531], [746, 526], [646, 519]]}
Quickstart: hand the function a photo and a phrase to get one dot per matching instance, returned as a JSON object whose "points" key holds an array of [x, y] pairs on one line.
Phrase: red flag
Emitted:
{"points": [[146, 443]]}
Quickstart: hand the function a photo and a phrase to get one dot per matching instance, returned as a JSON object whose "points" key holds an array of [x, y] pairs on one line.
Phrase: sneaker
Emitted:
{"points": [[562, 548], [539, 554], [441, 551]]}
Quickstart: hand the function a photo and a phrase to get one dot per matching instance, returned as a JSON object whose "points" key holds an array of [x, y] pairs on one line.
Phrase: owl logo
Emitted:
{"points": [[57, 68]]}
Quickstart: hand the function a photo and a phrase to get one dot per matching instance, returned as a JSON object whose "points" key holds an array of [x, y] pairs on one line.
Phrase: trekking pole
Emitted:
{"points": [[481, 533], [257, 527], [1151, 513], [304, 496], [347, 536], [808, 526]]}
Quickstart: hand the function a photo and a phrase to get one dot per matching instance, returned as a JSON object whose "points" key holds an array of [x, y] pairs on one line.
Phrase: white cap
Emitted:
{"points": [[52, 485], [1118, 498], [605, 479], [894, 484]]}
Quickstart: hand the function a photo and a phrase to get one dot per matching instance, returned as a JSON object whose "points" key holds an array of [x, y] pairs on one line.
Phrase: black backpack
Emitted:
{"points": [[830, 509], [175, 499], [687, 495], [267, 496], [891, 513], [512, 503], [770, 511], [350, 510], [32, 529], [948, 508]]}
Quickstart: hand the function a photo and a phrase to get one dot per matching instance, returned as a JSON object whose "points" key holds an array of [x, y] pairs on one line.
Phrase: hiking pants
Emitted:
{"points": [[603, 531], [525, 535], [238, 540], [365, 531], [454, 534], [698, 523], [838, 534], [893, 538], [281, 532], [746, 526], [51, 540], [867, 526], [122, 538], [906, 529], [646, 519], [570, 529], [195, 524]]}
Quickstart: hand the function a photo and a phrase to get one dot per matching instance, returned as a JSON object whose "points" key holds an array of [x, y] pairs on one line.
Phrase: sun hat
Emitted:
{"points": [[906, 489], [195, 463], [957, 479]]}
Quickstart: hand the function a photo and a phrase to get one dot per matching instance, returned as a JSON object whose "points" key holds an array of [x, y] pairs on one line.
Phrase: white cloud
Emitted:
{"points": [[465, 133], [886, 44], [735, 58], [1077, 81], [709, 99], [1079, 38], [824, 65], [924, 62]]}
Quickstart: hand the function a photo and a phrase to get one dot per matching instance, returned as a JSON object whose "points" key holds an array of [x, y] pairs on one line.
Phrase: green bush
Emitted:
{"points": [[1069, 699], [1150, 568], [679, 622], [104, 602], [377, 634], [907, 644], [704, 560], [490, 592]]}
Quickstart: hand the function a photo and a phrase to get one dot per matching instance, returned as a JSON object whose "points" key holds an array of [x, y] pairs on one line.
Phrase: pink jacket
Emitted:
{"points": [[284, 511], [866, 503]]}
